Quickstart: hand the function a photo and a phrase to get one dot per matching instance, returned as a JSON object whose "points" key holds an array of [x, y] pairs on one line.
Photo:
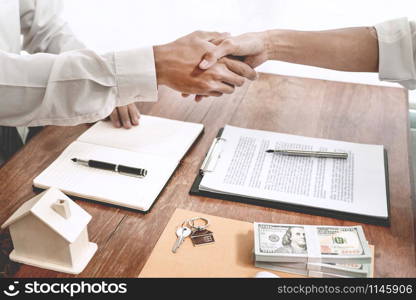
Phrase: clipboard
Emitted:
{"points": [[210, 163]]}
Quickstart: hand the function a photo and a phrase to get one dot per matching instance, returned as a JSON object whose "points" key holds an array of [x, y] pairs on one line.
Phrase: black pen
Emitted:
{"points": [[137, 172]]}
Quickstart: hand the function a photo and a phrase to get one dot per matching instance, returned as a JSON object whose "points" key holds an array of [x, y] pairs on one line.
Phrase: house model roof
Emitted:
{"points": [[41, 207]]}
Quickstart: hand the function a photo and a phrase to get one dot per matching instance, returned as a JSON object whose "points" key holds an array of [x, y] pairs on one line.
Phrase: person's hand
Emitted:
{"points": [[250, 47], [177, 67], [236, 66], [125, 116]]}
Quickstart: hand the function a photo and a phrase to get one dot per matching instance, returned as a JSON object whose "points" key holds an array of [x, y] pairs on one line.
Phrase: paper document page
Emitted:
{"points": [[355, 185]]}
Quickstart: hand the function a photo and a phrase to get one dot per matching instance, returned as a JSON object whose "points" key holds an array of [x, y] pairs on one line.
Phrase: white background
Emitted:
{"points": [[106, 25]]}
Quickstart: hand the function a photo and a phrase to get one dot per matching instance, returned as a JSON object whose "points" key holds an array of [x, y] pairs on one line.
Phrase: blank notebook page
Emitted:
{"points": [[155, 136]]}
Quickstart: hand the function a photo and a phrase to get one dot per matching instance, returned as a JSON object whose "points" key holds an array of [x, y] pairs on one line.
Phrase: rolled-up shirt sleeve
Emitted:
{"points": [[74, 87], [397, 52]]}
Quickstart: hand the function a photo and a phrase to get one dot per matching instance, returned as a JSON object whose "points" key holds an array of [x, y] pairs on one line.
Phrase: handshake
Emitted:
{"points": [[212, 64], [208, 63], [203, 64]]}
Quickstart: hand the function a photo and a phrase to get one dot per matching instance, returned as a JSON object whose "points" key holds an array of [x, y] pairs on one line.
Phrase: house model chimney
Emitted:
{"points": [[62, 207]]}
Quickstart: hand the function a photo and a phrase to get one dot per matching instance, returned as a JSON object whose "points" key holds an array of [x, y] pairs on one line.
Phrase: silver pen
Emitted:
{"points": [[318, 154]]}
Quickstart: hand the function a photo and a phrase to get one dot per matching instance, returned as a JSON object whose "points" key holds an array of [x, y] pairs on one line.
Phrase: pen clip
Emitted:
{"points": [[212, 156]]}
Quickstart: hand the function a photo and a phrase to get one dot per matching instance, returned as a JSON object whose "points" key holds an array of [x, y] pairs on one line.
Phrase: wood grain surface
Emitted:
{"points": [[308, 107]]}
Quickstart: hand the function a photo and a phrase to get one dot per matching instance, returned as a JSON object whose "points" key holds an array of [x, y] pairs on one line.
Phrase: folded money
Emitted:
{"points": [[310, 244]]}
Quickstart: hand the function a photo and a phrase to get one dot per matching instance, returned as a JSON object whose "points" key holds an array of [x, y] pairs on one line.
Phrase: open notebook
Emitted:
{"points": [[157, 145]]}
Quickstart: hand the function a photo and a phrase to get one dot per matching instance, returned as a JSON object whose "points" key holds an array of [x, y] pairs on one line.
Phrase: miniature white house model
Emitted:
{"points": [[50, 231]]}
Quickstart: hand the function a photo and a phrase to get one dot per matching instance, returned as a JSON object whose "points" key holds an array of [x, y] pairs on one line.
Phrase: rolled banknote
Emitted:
{"points": [[310, 244]]}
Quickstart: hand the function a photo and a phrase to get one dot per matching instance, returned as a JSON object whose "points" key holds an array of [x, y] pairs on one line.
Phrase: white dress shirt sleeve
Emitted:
{"points": [[72, 87], [397, 48]]}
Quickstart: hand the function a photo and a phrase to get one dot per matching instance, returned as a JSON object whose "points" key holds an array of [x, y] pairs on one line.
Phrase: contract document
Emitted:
{"points": [[241, 167]]}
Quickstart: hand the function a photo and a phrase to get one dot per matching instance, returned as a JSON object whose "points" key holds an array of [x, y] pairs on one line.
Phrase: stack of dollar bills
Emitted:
{"points": [[315, 251]]}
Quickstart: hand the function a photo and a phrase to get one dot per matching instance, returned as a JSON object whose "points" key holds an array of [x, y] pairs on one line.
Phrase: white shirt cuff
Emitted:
{"points": [[396, 62], [136, 76]]}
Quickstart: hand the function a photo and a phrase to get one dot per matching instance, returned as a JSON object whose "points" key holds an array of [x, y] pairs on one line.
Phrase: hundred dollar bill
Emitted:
{"points": [[279, 268], [313, 270], [310, 244], [309, 273], [350, 270], [318, 274]]}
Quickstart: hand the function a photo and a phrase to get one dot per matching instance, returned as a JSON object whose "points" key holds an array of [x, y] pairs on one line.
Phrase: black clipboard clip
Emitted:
{"points": [[213, 155]]}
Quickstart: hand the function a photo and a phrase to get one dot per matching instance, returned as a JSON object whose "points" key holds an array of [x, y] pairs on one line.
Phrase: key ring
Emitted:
{"points": [[191, 223]]}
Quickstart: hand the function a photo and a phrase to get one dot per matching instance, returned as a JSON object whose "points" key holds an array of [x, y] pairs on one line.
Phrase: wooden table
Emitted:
{"points": [[315, 108]]}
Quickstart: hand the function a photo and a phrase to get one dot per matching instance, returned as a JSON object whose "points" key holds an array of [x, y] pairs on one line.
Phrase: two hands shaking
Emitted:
{"points": [[209, 63], [203, 64]]}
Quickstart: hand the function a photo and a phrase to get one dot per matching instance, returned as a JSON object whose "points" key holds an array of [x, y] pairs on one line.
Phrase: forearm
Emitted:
{"points": [[350, 49]]}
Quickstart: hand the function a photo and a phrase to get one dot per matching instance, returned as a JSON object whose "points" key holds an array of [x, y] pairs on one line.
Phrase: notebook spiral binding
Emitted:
{"points": [[212, 156]]}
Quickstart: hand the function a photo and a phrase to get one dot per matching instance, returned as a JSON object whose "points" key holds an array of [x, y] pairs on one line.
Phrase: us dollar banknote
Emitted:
{"points": [[310, 244], [318, 270]]}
